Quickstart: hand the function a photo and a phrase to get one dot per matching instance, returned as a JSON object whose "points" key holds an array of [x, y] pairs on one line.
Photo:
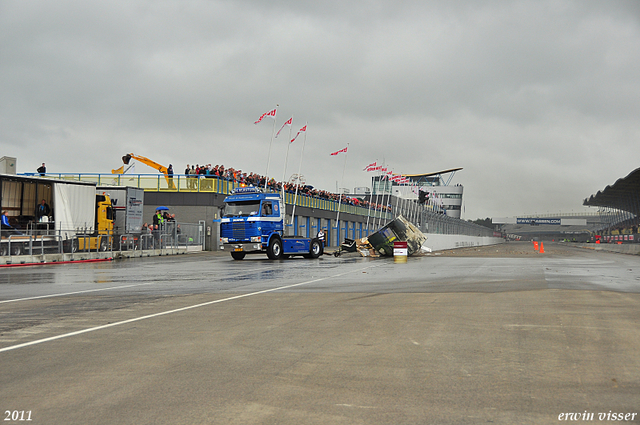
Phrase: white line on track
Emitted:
{"points": [[77, 292], [83, 292], [177, 310]]}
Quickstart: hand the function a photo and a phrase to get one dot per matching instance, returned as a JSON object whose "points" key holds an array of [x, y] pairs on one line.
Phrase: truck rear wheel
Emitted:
{"points": [[315, 250], [237, 255], [274, 250]]}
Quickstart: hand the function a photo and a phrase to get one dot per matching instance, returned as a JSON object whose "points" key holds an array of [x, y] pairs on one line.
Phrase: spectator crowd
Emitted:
{"points": [[193, 172]]}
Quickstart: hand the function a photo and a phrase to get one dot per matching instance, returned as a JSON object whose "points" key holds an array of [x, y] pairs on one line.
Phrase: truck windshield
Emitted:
{"points": [[241, 208]]}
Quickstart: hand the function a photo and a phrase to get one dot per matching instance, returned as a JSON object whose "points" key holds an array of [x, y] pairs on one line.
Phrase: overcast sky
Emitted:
{"points": [[538, 101]]}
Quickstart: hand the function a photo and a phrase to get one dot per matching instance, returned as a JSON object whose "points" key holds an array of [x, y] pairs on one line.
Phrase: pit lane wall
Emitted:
{"points": [[439, 242], [629, 248]]}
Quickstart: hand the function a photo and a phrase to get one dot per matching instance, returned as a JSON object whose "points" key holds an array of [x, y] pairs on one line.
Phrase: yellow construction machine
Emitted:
{"points": [[151, 163]]}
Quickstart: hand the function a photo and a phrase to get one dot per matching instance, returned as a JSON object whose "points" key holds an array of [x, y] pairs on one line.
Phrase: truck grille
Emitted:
{"points": [[239, 230]]}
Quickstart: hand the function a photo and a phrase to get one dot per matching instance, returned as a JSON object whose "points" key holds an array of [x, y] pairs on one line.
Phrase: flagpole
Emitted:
{"points": [[273, 132], [388, 199], [341, 184], [369, 209], [295, 198], [284, 174], [413, 207], [384, 208], [377, 200], [286, 159], [383, 213]]}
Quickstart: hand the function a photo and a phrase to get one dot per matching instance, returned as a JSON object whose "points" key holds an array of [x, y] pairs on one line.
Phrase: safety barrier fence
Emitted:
{"points": [[40, 241], [210, 184], [429, 218]]}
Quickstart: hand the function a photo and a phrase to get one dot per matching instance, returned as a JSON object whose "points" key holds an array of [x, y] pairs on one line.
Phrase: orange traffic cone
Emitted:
{"points": [[541, 248], [535, 245]]}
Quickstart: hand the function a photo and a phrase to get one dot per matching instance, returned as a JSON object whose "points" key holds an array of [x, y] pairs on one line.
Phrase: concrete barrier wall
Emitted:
{"points": [[439, 242], [628, 248]]}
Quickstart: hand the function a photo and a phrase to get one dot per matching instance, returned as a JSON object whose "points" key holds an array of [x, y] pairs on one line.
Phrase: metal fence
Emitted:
{"points": [[429, 218], [212, 184], [433, 220], [39, 240]]}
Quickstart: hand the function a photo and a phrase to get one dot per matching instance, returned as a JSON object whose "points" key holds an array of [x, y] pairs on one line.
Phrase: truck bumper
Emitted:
{"points": [[241, 247]]}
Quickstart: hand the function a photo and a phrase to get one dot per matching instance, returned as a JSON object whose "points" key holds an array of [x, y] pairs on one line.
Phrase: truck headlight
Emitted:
{"points": [[256, 238], [224, 240]]}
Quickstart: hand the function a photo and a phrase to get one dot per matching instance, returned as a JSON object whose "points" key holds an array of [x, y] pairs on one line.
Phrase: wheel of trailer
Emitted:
{"points": [[16, 249], [315, 250], [4, 250], [238, 255], [274, 250], [104, 244]]}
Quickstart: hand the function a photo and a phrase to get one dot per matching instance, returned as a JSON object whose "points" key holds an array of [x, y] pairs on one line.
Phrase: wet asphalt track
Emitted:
{"points": [[495, 334]]}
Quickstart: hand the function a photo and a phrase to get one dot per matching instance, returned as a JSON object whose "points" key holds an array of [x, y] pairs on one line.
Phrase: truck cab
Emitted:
{"points": [[253, 222], [102, 236]]}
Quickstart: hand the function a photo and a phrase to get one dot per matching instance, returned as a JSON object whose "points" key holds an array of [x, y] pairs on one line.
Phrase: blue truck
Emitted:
{"points": [[253, 222]]}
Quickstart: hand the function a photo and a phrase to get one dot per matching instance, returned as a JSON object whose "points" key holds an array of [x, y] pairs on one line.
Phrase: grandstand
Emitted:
{"points": [[551, 227], [615, 220], [619, 205]]}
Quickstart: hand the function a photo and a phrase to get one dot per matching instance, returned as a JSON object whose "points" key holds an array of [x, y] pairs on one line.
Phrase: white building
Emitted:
{"points": [[441, 196]]}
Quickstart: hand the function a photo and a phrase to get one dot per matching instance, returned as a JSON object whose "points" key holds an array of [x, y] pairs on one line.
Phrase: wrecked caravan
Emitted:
{"points": [[398, 230]]}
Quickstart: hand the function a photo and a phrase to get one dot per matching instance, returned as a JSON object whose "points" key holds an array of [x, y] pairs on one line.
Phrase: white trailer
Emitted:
{"points": [[71, 212]]}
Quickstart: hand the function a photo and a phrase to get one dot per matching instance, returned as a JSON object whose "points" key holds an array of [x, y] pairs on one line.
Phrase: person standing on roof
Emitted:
{"points": [[170, 175], [192, 177], [186, 173], [42, 170]]}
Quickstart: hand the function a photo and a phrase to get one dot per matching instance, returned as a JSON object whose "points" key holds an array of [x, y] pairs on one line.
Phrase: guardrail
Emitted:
{"points": [[33, 242], [428, 218], [208, 184]]}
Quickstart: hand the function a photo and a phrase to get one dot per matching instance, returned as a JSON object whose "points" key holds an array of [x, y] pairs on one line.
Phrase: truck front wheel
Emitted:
{"points": [[237, 255], [274, 250]]}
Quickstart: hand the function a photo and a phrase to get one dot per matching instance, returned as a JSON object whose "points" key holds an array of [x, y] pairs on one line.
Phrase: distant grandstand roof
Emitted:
{"points": [[419, 178], [452, 170], [623, 195]]}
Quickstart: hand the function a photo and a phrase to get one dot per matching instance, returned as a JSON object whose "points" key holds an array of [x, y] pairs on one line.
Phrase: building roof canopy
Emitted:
{"points": [[437, 173], [624, 194]]}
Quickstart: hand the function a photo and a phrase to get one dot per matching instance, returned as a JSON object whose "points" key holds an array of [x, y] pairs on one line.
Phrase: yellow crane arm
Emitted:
{"points": [[127, 158], [151, 163]]}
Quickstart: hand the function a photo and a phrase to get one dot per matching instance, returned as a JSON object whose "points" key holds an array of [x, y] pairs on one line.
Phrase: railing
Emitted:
{"points": [[209, 184], [429, 218], [40, 241]]}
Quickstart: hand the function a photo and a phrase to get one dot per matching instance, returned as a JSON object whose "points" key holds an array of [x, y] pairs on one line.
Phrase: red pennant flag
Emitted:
{"points": [[303, 129], [271, 114], [340, 151], [368, 167], [289, 122]]}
